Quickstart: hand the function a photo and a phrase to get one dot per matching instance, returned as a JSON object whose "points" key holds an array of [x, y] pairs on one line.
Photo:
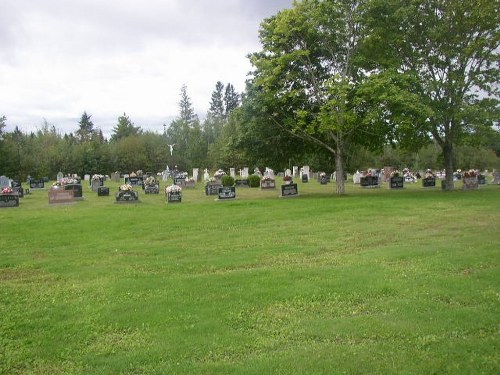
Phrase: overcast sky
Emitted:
{"points": [[59, 58]]}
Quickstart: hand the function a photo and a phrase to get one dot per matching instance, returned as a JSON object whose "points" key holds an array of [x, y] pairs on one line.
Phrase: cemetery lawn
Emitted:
{"points": [[374, 282]]}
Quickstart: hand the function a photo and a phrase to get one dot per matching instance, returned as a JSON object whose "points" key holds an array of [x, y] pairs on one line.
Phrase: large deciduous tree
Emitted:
{"points": [[450, 48], [307, 76]]}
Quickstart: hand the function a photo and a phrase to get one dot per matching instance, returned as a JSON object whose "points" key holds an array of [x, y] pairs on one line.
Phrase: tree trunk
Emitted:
{"points": [[339, 171], [448, 164]]}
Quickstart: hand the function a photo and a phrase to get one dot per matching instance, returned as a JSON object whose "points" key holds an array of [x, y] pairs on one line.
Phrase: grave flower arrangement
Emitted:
{"points": [[173, 189], [395, 173], [150, 181], [218, 175], [65, 181], [7, 190], [126, 187], [267, 178], [470, 173], [211, 180], [287, 178], [322, 174]]}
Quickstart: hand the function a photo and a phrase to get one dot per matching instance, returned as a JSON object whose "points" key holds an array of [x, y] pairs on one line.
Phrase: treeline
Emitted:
{"points": [[338, 85]]}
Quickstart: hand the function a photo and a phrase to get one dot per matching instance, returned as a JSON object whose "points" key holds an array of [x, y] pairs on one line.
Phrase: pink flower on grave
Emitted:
{"points": [[7, 190]]}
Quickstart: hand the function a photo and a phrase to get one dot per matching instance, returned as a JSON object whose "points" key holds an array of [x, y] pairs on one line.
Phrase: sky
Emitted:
{"points": [[59, 58]]}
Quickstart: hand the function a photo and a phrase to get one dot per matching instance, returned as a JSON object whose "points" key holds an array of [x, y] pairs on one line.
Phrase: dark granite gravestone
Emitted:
{"points": [[174, 197], [135, 181], [428, 182], [126, 196], [76, 189], [369, 181], [290, 190], [37, 184], [103, 191], [212, 188], [242, 183], [226, 192], [9, 200], [396, 182], [305, 178]]}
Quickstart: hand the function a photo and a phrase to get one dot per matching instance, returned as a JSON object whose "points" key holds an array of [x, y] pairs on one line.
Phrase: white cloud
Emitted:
{"points": [[60, 58]]}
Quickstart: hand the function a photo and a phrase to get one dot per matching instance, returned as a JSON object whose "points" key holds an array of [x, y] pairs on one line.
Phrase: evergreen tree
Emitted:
{"points": [[86, 128], [231, 100], [124, 128], [217, 101]]}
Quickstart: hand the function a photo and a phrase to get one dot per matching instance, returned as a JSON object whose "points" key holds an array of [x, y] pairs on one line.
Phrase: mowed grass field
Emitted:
{"points": [[374, 282]]}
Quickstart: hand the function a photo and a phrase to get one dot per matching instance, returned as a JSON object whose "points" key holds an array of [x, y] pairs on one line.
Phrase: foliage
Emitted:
{"points": [[227, 180], [450, 49], [124, 128], [254, 180]]}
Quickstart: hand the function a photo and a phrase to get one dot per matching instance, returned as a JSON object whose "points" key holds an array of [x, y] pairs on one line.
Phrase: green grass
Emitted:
{"points": [[374, 282]]}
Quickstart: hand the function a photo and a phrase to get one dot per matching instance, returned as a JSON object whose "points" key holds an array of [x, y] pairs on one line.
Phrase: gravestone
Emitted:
{"points": [[126, 196], [57, 195], [242, 183], [173, 194], [305, 178], [4, 182], [496, 178], [244, 173], [267, 183], [37, 184], [135, 181], [481, 179], [9, 200], [288, 191], [305, 170], [429, 182], [369, 182], [76, 189], [179, 181], [115, 176], [323, 179], [95, 184], [17, 188], [232, 172], [196, 175], [86, 177], [212, 188], [396, 182], [59, 176], [356, 178], [103, 191], [226, 192]]}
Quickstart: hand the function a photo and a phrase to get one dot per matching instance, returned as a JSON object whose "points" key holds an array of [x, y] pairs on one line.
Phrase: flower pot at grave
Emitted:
{"points": [[397, 182], [429, 182], [470, 183]]}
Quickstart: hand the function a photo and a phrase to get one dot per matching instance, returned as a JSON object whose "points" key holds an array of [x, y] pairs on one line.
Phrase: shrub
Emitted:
{"points": [[254, 180], [227, 180]]}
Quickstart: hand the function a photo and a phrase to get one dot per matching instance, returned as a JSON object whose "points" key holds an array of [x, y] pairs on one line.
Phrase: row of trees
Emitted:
{"points": [[338, 84]]}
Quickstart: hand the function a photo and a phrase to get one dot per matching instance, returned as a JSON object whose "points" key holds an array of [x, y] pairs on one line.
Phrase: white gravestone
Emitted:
{"points": [[232, 172], [305, 170], [4, 182], [206, 176], [356, 177], [244, 173], [295, 171], [196, 171], [59, 176]]}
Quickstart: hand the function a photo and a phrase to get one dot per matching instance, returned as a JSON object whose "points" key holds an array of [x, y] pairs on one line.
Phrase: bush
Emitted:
{"points": [[254, 180], [227, 180]]}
